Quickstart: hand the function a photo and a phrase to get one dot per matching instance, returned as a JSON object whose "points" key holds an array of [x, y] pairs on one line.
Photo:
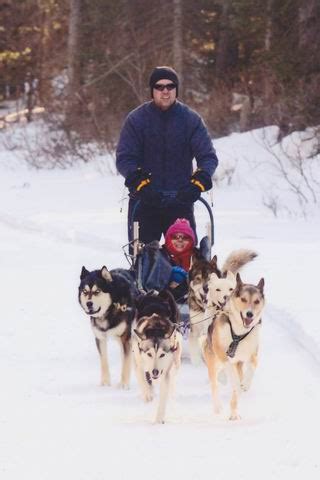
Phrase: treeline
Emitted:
{"points": [[242, 63]]}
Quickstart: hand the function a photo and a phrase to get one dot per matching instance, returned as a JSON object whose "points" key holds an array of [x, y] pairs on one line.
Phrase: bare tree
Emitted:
{"points": [[309, 33], [227, 48], [178, 39], [74, 46]]}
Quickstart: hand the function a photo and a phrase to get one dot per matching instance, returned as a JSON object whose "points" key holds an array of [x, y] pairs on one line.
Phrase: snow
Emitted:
{"points": [[56, 422]]}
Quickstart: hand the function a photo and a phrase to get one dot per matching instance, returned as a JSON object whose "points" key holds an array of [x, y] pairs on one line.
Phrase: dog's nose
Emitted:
{"points": [[89, 304], [155, 372], [249, 314]]}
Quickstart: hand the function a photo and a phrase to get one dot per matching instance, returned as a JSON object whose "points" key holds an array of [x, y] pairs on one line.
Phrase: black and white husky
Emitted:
{"points": [[157, 346], [108, 298]]}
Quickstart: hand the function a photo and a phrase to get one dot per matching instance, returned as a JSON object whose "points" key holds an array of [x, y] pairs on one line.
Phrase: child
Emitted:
{"points": [[168, 266], [179, 245]]}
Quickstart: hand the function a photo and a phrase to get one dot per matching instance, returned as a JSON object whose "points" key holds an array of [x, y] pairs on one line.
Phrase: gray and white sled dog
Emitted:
{"points": [[209, 288], [157, 345], [108, 299], [232, 341]]}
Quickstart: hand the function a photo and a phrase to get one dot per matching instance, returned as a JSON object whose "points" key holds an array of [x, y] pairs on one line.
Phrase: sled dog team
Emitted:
{"points": [[225, 322]]}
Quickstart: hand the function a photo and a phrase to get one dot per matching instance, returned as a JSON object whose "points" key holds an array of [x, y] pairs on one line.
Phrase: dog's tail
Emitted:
{"points": [[237, 259]]}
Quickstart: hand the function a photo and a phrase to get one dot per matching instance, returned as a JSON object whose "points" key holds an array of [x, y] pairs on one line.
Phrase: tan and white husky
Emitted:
{"points": [[209, 290], [232, 341]]}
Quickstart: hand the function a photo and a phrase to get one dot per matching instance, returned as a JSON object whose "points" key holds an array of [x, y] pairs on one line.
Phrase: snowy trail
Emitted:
{"points": [[55, 422]]}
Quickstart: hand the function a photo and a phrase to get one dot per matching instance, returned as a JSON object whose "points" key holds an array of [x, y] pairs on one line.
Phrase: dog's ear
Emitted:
{"points": [[238, 279], [170, 332], [231, 277], [214, 261], [84, 273], [214, 266], [214, 277], [105, 274], [238, 285], [260, 285], [169, 298], [140, 335]]}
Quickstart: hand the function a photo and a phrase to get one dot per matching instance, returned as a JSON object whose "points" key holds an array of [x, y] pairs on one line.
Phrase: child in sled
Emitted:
{"points": [[167, 266], [179, 246]]}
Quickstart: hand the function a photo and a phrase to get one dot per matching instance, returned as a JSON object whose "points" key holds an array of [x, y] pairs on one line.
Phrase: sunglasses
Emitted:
{"points": [[168, 86], [180, 236]]}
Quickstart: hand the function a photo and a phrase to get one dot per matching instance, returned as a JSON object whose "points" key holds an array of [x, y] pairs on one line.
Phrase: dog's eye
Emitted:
{"points": [[149, 355], [256, 302], [230, 289], [96, 292], [244, 300], [162, 355], [85, 292], [218, 289]]}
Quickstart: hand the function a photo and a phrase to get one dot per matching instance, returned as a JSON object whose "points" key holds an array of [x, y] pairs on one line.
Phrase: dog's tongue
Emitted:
{"points": [[247, 321]]}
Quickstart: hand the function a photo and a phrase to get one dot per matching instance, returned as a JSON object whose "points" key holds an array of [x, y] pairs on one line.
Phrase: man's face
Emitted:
{"points": [[164, 97]]}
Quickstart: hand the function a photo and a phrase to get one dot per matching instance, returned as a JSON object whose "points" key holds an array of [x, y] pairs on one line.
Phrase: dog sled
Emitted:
{"points": [[152, 270]]}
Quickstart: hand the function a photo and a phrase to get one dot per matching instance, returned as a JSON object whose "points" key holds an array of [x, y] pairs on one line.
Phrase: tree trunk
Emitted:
{"points": [[177, 40], [309, 34], [74, 47], [227, 48], [268, 40]]}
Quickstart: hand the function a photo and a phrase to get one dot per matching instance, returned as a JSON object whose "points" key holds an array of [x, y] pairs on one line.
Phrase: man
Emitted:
{"points": [[158, 142]]}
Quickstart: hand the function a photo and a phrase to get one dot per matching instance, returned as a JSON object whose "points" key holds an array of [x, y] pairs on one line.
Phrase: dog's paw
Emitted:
{"points": [[147, 397], [123, 386], [234, 416], [246, 384], [159, 421], [105, 383]]}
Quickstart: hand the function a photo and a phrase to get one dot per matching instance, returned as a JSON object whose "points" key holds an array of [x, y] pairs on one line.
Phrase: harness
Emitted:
{"points": [[236, 339], [183, 327]]}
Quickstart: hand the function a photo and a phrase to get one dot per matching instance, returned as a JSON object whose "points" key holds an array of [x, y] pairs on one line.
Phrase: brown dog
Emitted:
{"points": [[233, 340], [209, 289]]}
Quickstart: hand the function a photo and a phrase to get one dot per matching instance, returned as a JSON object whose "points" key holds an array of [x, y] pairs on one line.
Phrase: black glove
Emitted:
{"points": [[139, 184], [199, 182], [150, 196], [136, 180], [189, 194], [202, 179]]}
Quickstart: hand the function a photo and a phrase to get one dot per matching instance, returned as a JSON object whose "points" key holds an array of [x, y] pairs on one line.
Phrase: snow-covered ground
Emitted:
{"points": [[56, 422]]}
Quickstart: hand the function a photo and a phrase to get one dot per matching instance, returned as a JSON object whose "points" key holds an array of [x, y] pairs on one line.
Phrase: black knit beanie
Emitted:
{"points": [[163, 73]]}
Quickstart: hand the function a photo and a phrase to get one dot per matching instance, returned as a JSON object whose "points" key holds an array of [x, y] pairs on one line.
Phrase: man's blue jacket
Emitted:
{"points": [[165, 143]]}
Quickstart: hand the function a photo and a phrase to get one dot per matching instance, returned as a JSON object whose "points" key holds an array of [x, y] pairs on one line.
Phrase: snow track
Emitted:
{"points": [[57, 423]]}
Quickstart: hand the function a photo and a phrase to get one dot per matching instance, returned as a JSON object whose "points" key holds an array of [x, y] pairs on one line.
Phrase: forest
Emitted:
{"points": [[243, 64]]}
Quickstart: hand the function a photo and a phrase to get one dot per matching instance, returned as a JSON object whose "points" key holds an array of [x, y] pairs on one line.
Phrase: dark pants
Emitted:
{"points": [[153, 222]]}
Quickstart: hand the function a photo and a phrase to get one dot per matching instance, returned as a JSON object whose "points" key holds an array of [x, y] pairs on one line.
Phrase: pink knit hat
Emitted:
{"points": [[181, 225]]}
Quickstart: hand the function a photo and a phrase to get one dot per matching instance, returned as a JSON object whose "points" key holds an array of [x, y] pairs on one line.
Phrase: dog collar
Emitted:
{"points": [[236, 339]]}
